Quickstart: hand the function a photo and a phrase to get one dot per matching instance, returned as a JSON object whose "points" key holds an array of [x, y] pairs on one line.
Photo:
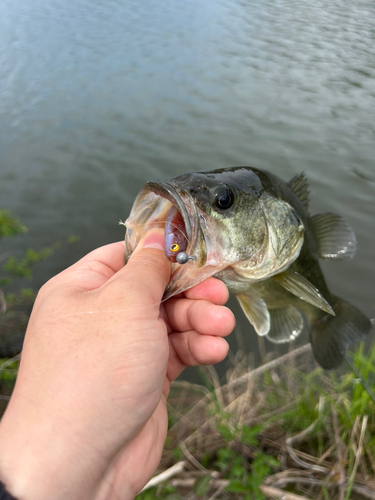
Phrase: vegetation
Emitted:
{"points": [[16, 301], [286, 430]]}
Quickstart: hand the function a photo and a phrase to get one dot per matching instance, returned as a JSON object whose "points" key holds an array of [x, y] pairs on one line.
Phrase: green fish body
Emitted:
{"points": [[254, 232]]}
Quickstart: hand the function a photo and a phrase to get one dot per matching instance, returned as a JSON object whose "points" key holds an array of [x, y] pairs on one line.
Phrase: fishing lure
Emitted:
{"points": [[175, 238]]}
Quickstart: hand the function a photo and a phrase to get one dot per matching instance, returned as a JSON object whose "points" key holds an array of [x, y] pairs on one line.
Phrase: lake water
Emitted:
{"points": [[96, 98]]}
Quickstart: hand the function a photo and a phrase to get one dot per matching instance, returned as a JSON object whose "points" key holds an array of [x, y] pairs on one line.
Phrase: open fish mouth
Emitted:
{"points": [[168, 192], [150, 210]]}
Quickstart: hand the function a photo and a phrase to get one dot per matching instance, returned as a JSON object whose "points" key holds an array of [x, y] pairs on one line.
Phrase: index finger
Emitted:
{"points": [[92, 270], [111, 255]]}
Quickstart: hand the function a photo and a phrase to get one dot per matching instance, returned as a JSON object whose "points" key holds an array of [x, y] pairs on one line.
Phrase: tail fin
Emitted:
{"points": [[331, 335]]}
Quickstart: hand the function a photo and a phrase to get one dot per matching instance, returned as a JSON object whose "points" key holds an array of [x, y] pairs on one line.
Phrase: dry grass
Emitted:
{"points": [[319, 426]]}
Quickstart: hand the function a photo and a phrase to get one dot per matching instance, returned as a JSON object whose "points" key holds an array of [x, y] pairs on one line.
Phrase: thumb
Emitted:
{"points": [[148, 271]]}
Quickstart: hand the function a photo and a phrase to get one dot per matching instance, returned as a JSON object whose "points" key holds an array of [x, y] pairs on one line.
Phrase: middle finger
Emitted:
{"points": [[199, 315]]}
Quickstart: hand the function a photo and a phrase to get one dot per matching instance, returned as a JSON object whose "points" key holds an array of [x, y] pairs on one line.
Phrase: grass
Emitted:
{"points": [[286, 430]]}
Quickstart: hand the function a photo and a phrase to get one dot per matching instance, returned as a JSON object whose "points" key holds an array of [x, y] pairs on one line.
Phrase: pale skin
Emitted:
{"points": [[88, 418]]}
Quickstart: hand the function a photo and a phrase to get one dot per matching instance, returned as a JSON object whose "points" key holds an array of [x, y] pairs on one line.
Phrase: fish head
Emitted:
{"points": [[233, 223]]}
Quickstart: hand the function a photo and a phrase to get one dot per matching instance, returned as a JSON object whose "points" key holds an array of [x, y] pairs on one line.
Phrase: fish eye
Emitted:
{"points": [[224, 198]]}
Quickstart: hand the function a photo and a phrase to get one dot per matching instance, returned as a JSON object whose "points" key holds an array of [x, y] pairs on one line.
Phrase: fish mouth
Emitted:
{"points": [[150, 210], [168, 192]]}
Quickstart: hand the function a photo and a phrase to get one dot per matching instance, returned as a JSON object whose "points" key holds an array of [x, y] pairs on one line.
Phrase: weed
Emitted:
{"points": [[286, 428]]}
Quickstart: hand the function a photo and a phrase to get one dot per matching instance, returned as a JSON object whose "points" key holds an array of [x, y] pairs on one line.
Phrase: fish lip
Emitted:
{"points": [[167, 191]]}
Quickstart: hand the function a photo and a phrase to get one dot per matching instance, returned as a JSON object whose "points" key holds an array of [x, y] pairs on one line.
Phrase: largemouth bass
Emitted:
{"points": [[254, 232]]}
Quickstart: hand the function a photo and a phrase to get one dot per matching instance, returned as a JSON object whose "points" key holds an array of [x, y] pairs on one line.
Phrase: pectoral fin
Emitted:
{"points": [[256, 312], [335, 238], [286, 324], [296, 284]]}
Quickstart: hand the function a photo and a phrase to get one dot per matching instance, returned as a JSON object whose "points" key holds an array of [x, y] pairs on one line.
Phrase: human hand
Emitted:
{"points": [[87, 418]]}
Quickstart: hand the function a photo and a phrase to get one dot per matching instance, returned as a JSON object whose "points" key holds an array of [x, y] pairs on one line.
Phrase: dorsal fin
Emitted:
{"points": [[301, 188], [335, 238]]}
